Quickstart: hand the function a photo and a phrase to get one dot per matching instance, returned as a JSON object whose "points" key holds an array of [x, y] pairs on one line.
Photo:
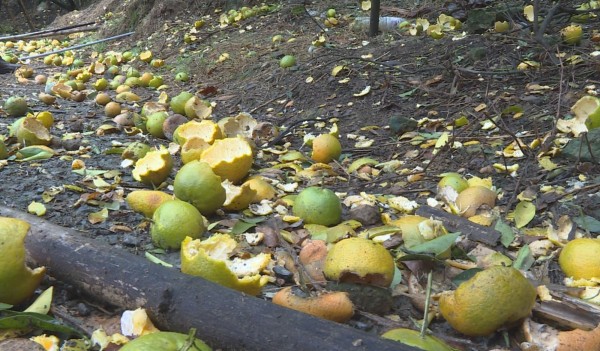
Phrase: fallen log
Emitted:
{"points": [[224, 318]]}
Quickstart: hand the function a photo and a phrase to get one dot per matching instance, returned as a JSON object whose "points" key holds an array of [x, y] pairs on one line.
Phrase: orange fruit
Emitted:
{"points": [[318, 206], [492, 298], [359, 260], [173, 221], [334, 306], [103, 99], [177, 103], [197, 184], [15, 106], [474, 198], [230, 158], [580, 258], [326, 148]]}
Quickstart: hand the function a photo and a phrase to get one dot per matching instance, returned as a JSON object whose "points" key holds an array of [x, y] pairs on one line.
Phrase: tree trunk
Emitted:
{"points": [[224, 318]]}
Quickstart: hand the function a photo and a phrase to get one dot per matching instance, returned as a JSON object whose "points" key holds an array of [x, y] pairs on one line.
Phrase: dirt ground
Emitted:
{"points": [[435, 82]]}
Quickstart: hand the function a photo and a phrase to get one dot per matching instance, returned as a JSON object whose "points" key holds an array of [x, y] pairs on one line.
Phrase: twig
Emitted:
{"points": [[427, 302]]}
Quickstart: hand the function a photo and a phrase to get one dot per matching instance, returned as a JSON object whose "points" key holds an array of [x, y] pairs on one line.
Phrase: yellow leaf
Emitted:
{"points": [[36, 208], [336, 70], [442, 140], [528, 12], [524, 213], [309, 79], [364, 92], [98, 217], [547, 164]]}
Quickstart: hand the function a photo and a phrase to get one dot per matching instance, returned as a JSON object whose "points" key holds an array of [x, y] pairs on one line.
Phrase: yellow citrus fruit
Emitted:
{"points": [[101, 84], [359, 260], [3, 150], [146, 56], [474, 198], [154, 168], [102, 99], [413, 338], [264, 190], [318, 206], [15, 106], [173, 221], [335, 306], [112, 109], [147, 201], [165, 341], [197, 184], [46, 118], [237, 197], [207, 130], [192, 149], [209, 259], [18, 281], [197, 108], [177, 103], [326, 148], [32, 132], [230, 158], [492, 298], [572, 34], [580, 258]]}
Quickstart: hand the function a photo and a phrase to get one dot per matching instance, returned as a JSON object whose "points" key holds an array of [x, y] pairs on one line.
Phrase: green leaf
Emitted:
{"points": [[436, 246], [507, 235], [466, 275], [29, 320], [524, 259], [241, 226], [5, 306], [419, 257], [588, 223], [524, 213]]}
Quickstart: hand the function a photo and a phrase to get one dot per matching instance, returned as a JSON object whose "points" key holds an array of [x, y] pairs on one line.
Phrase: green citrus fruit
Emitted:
{"points": [[197, 184], [287, 61], [178, 102], [318, 206], [154, 124], [173, 221], [15, 106], [165, 341]]}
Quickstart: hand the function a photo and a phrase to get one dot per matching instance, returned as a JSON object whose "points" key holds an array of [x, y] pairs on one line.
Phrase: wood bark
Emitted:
{"points": [[224, 318]]}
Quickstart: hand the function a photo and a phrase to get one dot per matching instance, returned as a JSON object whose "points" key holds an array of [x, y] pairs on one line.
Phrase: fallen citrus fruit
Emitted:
{"points": [[165, 341], [15, 106], [413, 338], [493, 298], [326, 148], [580, 258], [206, 130], [230, 158], [237, 197], [154, 168], [334, 306], [197, 184], [32, 132], [147, 201], [17, 281], [359, 260], [209, 259], [197, 108], [318, 206], [178, 102], [474, 198], [173, 221], [264, 190]]}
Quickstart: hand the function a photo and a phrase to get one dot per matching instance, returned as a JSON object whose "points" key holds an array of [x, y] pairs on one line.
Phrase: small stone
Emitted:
{"points": [[283, 273], [130, 240], [365, 214]]}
